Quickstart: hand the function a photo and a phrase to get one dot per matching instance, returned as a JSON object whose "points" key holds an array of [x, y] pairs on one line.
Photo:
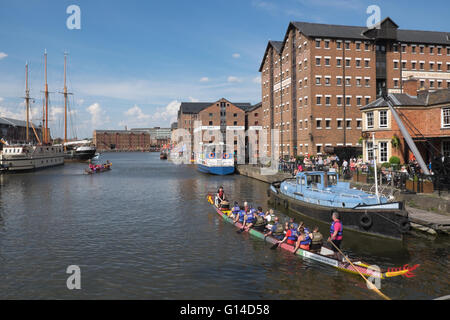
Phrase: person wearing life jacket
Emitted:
{"points": [[303, 240], [220, 196], [277, 230], [291, 236], [292, 221], [336, 233], [249, 219], [235, 210], [240, 216], [260, 222], [316, 240], [270, 218], [260, 212]]}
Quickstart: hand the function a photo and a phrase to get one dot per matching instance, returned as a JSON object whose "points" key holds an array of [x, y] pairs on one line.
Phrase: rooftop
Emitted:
{"points": [[15, 122], [388, 29], [422, 100], [196, 107]]}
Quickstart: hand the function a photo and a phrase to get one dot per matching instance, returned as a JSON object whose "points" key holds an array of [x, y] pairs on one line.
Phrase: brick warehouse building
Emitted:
{"points": [[315, 80], [121, 140], [221, 115]]}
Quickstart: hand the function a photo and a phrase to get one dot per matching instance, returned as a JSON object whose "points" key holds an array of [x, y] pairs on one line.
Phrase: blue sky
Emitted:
{"points": [[132, 62]]}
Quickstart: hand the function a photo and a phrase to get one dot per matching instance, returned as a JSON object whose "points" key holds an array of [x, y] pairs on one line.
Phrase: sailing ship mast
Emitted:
{"points": [[27, 101], [65, 102], [46, 101], [65, 93]]}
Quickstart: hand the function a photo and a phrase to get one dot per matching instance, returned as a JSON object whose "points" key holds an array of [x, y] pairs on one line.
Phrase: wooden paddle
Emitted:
{"points": [[370, 285], [275, 246]]}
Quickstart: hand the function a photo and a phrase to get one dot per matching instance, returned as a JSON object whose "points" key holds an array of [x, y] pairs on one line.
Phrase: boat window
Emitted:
{"points": [[313, 181], [332, 180]]}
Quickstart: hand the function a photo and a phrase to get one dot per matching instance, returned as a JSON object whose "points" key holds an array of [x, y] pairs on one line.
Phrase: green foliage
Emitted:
{"points": [[395, 141], [394, 160], [386, 165], [300, 159]]}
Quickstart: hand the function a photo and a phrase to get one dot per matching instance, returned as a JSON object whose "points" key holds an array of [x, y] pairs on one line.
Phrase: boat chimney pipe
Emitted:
{"points": [[374, 151]]}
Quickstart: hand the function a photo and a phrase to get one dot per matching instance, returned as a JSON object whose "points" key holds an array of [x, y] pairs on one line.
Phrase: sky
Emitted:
{"points": [[132, 62]]}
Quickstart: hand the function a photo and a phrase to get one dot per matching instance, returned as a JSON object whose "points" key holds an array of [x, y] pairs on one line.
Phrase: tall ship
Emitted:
{"points": [[79, 150], [29, 156]]}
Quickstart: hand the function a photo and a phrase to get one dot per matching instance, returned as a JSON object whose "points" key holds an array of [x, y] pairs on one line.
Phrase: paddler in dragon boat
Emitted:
{"points": [[254, 219], [291, 235], [235, 210], [277, 230], [239, 217], [303, 240]]}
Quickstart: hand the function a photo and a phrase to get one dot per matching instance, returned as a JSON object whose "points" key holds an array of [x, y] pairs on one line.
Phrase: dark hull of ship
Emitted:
{"points": [[387, 223], [80, 156]]}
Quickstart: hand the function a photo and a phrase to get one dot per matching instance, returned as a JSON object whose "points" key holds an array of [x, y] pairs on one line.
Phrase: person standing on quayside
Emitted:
{"points": [[336, 233]]}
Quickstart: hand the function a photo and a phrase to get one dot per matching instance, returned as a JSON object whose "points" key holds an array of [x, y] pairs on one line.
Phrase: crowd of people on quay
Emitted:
{"points": [[351, 166], [296, 234]]}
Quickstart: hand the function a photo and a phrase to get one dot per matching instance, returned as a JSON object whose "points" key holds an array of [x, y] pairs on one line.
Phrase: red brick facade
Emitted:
{"points": [[121, 140], [427, 123], [313, 86]]}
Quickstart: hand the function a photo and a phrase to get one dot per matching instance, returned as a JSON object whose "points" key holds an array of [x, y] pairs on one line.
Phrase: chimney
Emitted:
{"points": [[411, 86]]}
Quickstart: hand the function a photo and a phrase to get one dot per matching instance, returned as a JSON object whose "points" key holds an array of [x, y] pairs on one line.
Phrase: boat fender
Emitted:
{"points": [[365, 221], [286, 204], [404, 225]]}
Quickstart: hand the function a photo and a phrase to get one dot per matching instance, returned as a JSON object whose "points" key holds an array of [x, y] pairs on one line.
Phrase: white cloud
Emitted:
{"points": [[169, 113], [98, 115], [236, 55], [233, 79], [256, 80], [136, 113], [135, 117], [19, 115], [3, 55], [204, 79]]}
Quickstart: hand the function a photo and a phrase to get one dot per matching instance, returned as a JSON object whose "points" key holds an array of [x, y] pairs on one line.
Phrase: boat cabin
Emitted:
{"points": [[325, 189]]}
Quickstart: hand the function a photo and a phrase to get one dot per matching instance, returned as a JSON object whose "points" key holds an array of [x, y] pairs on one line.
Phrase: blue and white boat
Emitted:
{"points": [[215, 163], [318, 194]]}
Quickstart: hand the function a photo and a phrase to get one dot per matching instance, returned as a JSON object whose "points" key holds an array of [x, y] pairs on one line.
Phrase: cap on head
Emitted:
{"points": [[245, 204]]}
